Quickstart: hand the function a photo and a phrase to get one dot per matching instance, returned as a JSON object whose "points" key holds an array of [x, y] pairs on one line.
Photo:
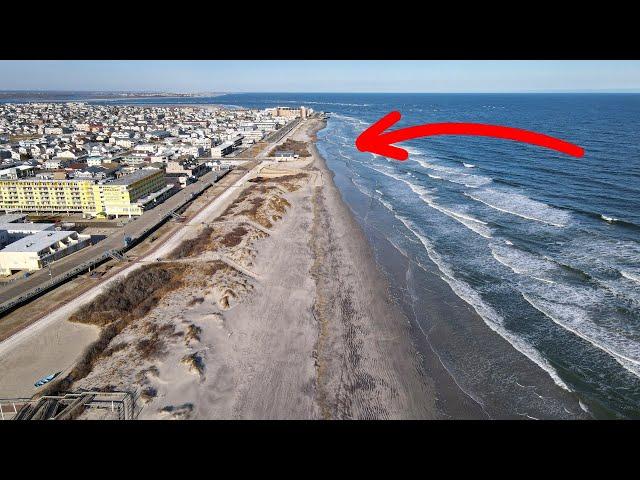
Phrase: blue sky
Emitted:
{"points": [[322, 76]]}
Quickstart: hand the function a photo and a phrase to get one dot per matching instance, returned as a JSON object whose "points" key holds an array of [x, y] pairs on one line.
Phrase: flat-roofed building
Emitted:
{"points": [[47, 195], [11, 232], [97, 161], [122, 196], [118, 197], [35, 251], [285, 154], [19, 171], [287, 112], [221, 150], [12, 217], [188, 168]]}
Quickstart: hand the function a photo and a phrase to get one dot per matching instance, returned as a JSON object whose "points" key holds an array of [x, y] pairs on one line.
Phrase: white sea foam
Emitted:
{"points": [[631, 276], [346, 157], [583, 406], [386, 171], [386, 204], [491, 318], [521, 206], [545, 280], [454, 175], [608, 219], [351, 120], [574, 307], [361, 188], [525, 263], [413, 150], [564, 306], [601, 257], [473, 224]]}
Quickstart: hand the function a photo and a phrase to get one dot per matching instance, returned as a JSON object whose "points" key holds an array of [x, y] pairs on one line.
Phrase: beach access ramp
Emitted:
{"points": [[71, 406]]}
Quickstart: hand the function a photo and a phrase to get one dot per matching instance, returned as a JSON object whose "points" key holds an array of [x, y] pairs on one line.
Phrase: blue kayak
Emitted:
{"points": [[46, 379]]}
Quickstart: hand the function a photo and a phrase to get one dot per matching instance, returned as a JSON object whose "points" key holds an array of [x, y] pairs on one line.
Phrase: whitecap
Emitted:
{"points": [[525, 263], [490, 317], [583, 406], [630, 276], [521, 206], [563, 305], [473, 224], [455, 175], [413, 150]]}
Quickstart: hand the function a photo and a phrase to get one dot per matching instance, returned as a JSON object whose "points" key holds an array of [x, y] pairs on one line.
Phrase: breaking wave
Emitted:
{"points": [[473, 224], [490, 317], [521, 206], [630, 276], [455, 175], [564, 306]]}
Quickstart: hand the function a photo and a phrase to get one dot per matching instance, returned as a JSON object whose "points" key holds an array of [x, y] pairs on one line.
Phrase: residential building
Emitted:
{"points": [[130, 194], [221, 150], [118, 197]]}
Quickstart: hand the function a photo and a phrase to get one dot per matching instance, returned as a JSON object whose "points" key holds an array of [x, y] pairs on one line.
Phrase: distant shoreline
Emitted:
{"points": [[52, 97]]}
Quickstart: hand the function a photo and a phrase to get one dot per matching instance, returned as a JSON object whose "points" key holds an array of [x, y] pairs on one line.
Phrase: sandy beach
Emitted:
{"points": [[269, 307]]}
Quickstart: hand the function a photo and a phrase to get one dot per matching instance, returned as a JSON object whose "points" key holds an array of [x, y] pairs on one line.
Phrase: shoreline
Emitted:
{"points": [[477, 373], [303, 320], [294, 323], [365, 344], [308, 330]]}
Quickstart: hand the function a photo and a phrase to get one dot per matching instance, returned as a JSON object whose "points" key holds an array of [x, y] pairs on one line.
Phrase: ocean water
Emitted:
{"points": [[518, 267], [545, 248]]}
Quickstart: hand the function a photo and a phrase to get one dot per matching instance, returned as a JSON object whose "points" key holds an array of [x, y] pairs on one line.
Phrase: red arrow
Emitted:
{"points": [[375, 141]]}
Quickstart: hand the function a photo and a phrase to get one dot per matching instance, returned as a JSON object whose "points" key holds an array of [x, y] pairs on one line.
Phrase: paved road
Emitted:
{"points": [[21, 374], [211, 210], [133, 229]]}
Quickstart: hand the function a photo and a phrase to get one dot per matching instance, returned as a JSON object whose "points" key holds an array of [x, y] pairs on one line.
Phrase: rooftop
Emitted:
{"points": [[12, 217], [24, 227], [37, 241], [134, 177]]}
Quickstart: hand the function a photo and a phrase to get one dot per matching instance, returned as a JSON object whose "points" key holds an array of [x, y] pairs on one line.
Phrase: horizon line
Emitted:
{"points": [[509, 92]]}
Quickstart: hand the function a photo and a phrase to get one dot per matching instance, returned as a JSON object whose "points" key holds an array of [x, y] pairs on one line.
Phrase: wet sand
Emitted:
{"points": [[368, 366]]}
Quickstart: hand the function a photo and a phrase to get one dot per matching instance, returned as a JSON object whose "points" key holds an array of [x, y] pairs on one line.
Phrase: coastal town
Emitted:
{"points": [[98, 198], [66, 168]]}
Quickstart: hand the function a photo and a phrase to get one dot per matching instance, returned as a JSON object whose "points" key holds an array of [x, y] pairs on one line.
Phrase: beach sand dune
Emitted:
{"points": [[272, 309]]}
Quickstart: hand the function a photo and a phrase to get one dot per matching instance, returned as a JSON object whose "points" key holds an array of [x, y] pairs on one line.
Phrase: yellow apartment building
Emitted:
{"points": [[38, 195], [123, 196]]}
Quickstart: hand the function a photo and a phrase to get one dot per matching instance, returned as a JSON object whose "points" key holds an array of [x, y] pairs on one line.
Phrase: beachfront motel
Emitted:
{"points": [[128, 195]]}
